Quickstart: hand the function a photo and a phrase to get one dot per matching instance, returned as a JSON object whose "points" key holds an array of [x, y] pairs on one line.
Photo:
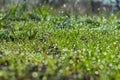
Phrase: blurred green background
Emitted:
{"points": [[71, 6]]}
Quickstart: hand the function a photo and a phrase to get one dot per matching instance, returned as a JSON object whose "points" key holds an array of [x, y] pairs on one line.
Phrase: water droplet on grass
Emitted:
{"points": [[35, 74], [71, 62], [105, 53], [96, 72], [101, 67], [64, 49]]}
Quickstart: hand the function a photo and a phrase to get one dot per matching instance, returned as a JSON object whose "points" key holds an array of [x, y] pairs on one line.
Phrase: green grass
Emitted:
{"points": [[39, 46]]}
